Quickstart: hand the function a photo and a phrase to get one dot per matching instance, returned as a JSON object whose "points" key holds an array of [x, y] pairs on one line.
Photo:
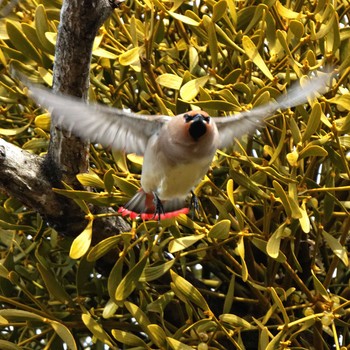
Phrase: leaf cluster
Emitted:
{"points": [[264, 264]]}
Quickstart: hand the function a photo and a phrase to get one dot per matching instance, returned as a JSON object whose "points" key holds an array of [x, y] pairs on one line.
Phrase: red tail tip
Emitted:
{"points": [[152, 216]]}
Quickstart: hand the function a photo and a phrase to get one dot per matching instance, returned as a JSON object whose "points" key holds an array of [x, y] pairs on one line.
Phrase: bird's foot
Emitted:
{"points": [[159, 208]]}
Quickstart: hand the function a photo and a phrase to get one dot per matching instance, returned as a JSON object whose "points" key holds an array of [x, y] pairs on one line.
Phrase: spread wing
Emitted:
{"points": [[109, 126], [248, 121]]}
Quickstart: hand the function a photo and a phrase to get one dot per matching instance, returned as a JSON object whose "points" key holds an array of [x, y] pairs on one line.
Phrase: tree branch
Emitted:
{"points": [[30, 178]]}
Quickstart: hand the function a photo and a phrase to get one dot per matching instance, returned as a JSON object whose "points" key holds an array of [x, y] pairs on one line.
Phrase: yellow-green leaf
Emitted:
{"points": [[43, 121], [313, 122], [21, 42], [90, 179], [339, 250], [14, 131], [319, 287], [183, 18], [131, 58], [273, 244], [96, 329], [220, 230], [189, 291], [103, 247], [54, 287], [7, 345], [151, 273], [183, 242], [288, 13], [236, 321], [158, 335], [170, 81], [191, 89], [177, 345], [128, 283], [128, 338], [125, 186], [82, 243], [219, 10], [253, 53], [312, 151], [64, 333]]}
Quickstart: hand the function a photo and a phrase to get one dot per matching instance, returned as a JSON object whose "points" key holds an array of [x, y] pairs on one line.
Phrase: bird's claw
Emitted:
{"points": [[159, 208]]}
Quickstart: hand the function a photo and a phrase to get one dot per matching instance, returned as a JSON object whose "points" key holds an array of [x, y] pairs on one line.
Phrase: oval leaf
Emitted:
{"points": [[220, 230], [184, 242], [82, 243]]}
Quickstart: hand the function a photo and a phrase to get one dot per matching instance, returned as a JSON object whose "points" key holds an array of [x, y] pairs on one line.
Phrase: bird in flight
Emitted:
{"points": [[177, 150]]}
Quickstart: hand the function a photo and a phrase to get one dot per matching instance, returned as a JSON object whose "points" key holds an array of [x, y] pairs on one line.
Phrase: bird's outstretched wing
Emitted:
{"points": [[106, 125], [248, 121]]}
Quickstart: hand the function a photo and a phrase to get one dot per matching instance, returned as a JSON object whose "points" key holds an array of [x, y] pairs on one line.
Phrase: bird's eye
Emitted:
{"points": [[188, 118], [207, 119]]}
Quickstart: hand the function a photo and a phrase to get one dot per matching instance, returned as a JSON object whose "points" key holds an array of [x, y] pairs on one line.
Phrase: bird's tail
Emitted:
{"points": [[147, 206]]}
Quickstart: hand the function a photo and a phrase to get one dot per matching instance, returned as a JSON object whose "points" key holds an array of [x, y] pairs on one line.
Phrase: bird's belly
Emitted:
{"points": [[173, 181]]}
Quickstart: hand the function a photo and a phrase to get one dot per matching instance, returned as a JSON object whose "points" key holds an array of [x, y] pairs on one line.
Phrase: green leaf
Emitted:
{"points": [[129, 57], [81, 243], [125, 186], [312, 151], [90, 179], [103, 247], [184, 19], [128, 338], [158, 335], [151, 273], [6, 345], [64, 333], [182, 243], [288, 13], [21, 42], [191, 89], [159, 304], [274, 242], [253, 53], [14, 131], [139, 315], [42, 27], [177, 345], [108, 180], [128, 283], [171, 81], [54, 287], [262, 245], [219, 10], [236, 321], [339, 250], [319, 287], [43, 121], [96, 329], [189, 291], [313, 122], [220, 230], [3, 271]]}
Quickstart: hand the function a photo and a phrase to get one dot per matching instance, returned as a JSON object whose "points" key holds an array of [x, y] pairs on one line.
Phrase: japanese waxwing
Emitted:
{"points": [[177, 150]]}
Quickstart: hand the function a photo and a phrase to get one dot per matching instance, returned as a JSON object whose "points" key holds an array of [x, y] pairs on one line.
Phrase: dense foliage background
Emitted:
{"points": [[264, 264]]}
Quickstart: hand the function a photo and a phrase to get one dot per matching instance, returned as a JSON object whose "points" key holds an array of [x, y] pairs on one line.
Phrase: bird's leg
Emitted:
{"points": [[159, 206], [194, 204]]}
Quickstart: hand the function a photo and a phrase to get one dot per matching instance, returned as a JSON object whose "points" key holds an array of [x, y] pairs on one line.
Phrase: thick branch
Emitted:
{"points": [[30, 178], [80, 21], [22, 175]]}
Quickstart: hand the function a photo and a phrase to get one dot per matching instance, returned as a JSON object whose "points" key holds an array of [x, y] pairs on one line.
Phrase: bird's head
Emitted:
{"points": [[197, 122]]}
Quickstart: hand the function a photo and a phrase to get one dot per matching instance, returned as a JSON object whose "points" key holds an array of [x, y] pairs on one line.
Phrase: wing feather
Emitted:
{"points": [[106, 125], [248, 121]]}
